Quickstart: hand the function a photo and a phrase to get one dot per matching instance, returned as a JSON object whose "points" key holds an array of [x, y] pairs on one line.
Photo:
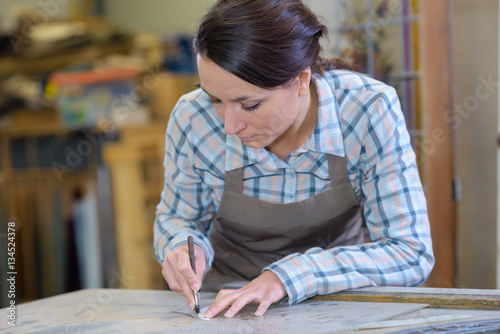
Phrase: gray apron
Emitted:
{"points": [[248, 234]]}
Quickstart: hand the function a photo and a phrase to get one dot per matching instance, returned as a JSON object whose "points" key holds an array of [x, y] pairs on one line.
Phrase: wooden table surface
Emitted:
{"points": [[150, 311]]}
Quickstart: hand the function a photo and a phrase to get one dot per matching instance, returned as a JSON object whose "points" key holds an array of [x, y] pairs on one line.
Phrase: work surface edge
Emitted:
{"points": [[473, 299]]}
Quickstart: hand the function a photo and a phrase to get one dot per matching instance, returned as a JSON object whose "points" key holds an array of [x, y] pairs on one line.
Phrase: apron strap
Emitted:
{"points": [[234, 180], [337, 169]]}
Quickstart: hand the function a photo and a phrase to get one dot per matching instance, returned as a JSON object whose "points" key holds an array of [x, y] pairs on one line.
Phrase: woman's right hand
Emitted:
{"points": [[177, 271]]}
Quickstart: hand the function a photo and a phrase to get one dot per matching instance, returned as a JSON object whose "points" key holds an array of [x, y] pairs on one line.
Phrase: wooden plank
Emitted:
{"points": [[25, 214], [437, 146], [32, 123], [130, 225], [471, 299], [16, 65], [5, 159]]}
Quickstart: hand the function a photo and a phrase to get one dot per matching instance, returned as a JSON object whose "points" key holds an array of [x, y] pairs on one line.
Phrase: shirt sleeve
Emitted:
{"points": [[395, 212], [186, 207]]}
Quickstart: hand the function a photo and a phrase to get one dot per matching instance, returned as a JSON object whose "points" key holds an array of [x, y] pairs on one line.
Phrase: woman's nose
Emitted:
{"points": [[233, 121]]}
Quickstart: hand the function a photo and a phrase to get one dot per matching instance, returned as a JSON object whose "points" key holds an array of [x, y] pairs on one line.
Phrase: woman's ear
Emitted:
{"points": [[304, 79]]}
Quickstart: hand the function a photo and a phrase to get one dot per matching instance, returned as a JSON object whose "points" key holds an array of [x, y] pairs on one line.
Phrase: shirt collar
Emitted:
{"points": [[326, 137]]}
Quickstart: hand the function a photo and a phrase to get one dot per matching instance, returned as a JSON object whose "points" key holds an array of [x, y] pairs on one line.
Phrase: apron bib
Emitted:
{"points": [[248, 234]]}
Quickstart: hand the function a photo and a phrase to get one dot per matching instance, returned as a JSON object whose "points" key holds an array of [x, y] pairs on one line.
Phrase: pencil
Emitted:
{"points": [[193, 265]]}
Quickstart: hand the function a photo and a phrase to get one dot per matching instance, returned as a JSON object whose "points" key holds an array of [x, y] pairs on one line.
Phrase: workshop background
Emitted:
{"points": [[86, 88]]}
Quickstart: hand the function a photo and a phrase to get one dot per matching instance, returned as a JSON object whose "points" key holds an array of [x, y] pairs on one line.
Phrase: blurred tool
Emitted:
{"points": [[193, 265]]}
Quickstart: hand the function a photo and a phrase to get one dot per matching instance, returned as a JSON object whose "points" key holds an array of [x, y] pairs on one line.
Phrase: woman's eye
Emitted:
{"points": [[249, 109], [252, 108], [214, 101]]}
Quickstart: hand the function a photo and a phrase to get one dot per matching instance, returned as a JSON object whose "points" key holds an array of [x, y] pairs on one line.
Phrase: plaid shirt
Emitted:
{"points": [[358, 117]]}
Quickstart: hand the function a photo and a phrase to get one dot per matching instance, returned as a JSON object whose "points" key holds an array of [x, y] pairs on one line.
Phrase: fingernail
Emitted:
{"points": [[228, 314], [208, 314], [196, 287], [191, 306], [259, 313]]}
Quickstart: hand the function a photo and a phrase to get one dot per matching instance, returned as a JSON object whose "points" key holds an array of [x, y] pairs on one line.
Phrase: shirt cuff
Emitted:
{"points": [[198, 239], [297, 277]]}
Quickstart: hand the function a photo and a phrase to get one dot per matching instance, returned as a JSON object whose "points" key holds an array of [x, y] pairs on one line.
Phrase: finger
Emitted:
{"points": [[223, 300], [238, 304], [263, 307], [175, 280], [169, 277], [187, 291], [185, 269]]}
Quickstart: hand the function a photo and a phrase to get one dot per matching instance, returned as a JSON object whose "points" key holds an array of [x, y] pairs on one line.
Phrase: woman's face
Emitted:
{"points": [[256, 115]]}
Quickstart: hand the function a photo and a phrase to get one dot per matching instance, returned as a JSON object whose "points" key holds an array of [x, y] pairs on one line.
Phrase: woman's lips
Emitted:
{"points": [[247, 138]]}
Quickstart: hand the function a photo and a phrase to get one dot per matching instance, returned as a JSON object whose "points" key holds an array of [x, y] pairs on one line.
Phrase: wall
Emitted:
{"points": [[157, 16], [476, 37], [49, 10], [498, 169], [164, 17], [329, 16]]}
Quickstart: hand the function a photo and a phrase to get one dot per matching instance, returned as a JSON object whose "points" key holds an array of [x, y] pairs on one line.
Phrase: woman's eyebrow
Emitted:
{"points": [[199, 85], [240, 98]]}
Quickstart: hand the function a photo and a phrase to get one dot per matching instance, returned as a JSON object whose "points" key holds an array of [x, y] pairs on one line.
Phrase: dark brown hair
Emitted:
{"points": [[264, 42]]}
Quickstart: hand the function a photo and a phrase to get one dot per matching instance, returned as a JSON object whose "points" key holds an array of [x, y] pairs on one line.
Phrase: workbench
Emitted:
{"points": [[152, 311]]}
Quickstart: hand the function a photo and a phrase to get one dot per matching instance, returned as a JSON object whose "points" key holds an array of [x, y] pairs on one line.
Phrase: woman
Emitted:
{"points": [[273, 164]]}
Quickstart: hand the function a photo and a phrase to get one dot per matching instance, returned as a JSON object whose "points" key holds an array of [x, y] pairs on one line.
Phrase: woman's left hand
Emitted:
{"points": [[265, 289]]}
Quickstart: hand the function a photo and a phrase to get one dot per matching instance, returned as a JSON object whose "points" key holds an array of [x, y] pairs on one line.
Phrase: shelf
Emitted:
{"points": [[16, 65]]}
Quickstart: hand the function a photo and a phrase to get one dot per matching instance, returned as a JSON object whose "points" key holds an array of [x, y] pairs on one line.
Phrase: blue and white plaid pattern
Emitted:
{"points": [[358, 117]]}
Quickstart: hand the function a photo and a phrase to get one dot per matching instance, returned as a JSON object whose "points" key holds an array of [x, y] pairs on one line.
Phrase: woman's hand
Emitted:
{"points": [[265, 289], [180, 276]]}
